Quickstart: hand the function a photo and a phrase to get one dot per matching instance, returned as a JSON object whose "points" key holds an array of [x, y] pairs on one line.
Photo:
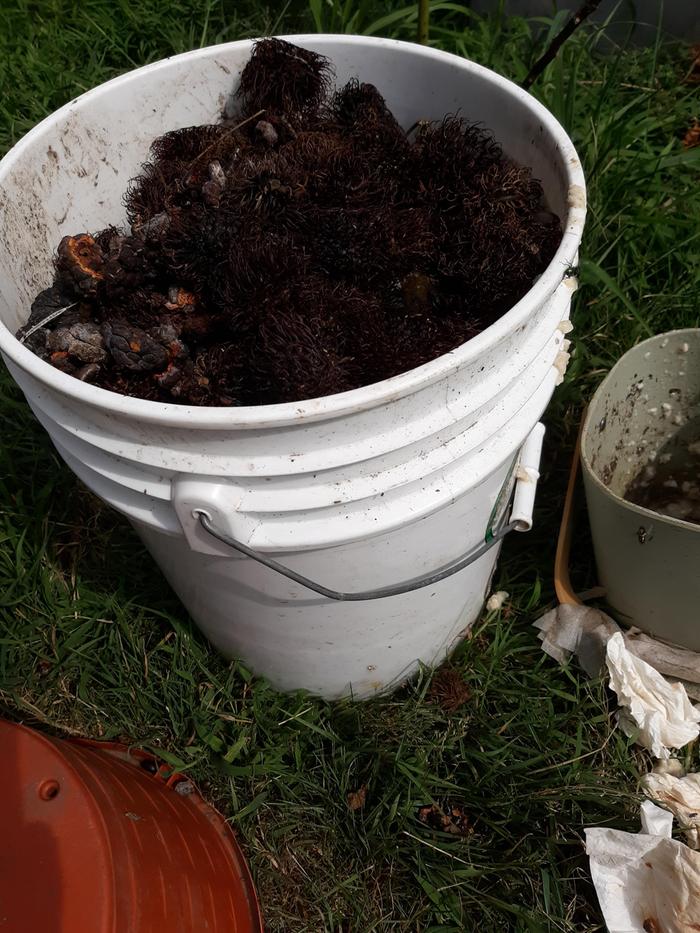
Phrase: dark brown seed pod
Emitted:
{"points": [[83, 342], [283, 78], [304, 246], [47, 303], [79, 263], [131, 348]]}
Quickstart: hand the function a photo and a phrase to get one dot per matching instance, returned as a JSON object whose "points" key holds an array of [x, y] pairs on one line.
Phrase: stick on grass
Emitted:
{"points": [[550, 52], [423, 22]]}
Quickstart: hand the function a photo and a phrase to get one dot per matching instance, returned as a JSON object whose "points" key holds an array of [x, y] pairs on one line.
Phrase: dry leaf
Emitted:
{"points": [[448, 689], [693, 74], [453, 819], [692, 137], [356, 798]]}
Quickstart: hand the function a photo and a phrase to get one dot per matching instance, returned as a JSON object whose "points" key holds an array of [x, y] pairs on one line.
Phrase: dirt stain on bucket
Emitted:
{"points": [[669, 483]]}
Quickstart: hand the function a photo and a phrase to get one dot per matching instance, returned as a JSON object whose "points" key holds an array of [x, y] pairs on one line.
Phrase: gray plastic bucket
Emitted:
{"points": [[647, 408]]}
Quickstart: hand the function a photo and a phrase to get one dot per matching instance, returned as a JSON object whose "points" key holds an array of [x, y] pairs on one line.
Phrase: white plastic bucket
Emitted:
{"points": [[360, 490]]}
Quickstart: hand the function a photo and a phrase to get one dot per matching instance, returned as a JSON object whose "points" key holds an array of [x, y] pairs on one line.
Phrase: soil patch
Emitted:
{"points": [[306, 246]]}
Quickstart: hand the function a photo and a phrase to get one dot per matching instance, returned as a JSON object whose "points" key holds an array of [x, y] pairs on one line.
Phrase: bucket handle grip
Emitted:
{"points": [[397, 589]]}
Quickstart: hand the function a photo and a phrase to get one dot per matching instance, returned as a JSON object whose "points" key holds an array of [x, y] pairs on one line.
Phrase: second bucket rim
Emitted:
{"points": [[588, 469]]}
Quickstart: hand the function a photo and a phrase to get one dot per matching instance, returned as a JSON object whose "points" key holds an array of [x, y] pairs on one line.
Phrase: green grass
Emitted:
{"points": [[93, 642]]}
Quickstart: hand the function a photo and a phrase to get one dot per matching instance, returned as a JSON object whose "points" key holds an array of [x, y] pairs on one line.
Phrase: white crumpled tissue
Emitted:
{"points": [[496, 601], [576, 629], [682, 797], [657, 714], [646, 883]]}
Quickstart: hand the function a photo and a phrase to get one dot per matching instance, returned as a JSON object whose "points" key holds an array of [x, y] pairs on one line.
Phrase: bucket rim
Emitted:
{"points": [[591, 474], [362, 398]]}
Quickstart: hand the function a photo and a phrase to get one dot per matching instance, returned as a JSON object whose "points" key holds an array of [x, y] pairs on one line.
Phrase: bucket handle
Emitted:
{"points": [[406, 587], [520, 520]]}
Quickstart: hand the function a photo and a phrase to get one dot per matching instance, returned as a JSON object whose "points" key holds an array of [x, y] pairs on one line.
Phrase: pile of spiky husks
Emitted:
{"points": [[307, 246]]}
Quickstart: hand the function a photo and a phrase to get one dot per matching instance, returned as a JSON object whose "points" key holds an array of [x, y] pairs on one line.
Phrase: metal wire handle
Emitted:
{"points": [[406, 587]]}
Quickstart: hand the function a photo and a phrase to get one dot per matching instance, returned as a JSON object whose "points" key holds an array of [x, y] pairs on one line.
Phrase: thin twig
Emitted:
{"points": [[419, 123], [423, 842], [423, 21], [571, 761], [45, 320], [634, 87], [222, 138], [295, 716], [694, 66], [584, 11]]}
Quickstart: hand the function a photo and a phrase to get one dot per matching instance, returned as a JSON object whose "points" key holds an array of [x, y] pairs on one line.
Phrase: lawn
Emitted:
{"points": [[92, 642]]}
